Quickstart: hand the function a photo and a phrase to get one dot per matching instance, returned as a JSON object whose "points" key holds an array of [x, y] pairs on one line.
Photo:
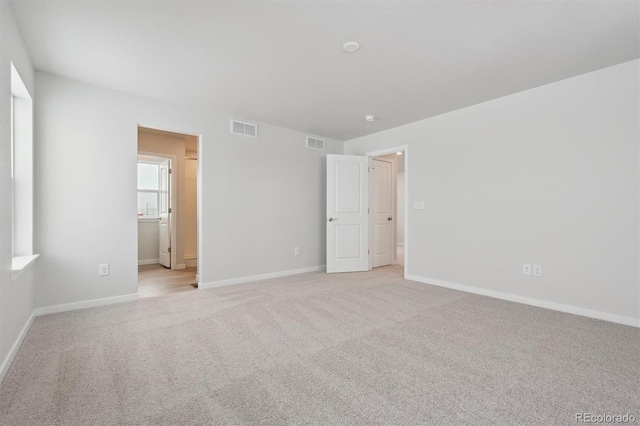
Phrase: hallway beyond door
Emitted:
{"points": [[156, 280]]}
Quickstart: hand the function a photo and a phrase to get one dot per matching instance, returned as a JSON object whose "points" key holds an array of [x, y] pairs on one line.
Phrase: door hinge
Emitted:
{"points": [[368, 251], [169, 250], [170, 171], [169, 209]]}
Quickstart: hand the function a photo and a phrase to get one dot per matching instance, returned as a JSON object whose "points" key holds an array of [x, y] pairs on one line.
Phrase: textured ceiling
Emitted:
{"points": [[281, 62]]}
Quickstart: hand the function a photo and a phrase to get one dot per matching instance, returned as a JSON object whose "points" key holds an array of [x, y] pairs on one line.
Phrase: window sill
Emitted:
{"points": [[20, 264]]}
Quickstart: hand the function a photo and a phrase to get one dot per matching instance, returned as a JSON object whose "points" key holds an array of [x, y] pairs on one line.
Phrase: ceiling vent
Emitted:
{"points": [[242, 128], [315, 143]]}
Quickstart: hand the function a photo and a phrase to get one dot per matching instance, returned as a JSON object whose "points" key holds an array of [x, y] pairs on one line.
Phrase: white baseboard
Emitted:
{"points": [[233, 281], [634, 322], [46, 310], [148, 262], [190, 263], [16, 347], [180, 266]]}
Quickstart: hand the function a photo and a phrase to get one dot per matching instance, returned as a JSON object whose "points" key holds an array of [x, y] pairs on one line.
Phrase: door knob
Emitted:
{"points": [[331, 219], [389, 218]]}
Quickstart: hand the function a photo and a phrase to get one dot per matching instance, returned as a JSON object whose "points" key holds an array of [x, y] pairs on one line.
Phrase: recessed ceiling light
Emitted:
{"points": [[369, 117], [399, 152], [351, 47]]}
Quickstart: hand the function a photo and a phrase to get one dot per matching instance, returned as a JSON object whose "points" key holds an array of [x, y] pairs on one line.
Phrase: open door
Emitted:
{"points": [[382, 212], [164, 202], [347, 213]]}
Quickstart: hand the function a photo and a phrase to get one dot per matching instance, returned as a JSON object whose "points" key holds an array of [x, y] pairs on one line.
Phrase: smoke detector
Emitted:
{"points": [[351, 47], [369, 117]]}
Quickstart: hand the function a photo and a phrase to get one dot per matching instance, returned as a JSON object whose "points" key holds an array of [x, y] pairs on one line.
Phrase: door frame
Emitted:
{"points": [[199, 193], [172, 196], [386, 151]]}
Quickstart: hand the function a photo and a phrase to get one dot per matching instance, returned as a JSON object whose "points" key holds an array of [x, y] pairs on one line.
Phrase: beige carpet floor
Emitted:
{"points": [[318, 349]]}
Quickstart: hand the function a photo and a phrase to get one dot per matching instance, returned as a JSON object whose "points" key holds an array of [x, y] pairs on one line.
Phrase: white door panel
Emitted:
{"points": [[347, 213], [348, 192], [382, 235], [164, 213], [348, 241], [382, 217]]}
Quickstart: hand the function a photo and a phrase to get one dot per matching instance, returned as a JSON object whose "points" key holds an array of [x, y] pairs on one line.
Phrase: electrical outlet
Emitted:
{"points": [[103, 269], [526, 269], [537, 270], [296, 251]]}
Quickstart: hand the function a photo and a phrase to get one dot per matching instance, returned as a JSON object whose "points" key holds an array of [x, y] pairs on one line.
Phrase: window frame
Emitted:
{"points": [[22, 182], [149, 191]]}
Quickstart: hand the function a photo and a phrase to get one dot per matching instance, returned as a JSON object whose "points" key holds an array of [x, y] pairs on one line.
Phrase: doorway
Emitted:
{"points": [[387, 209], [167, 212], [352, 204]]}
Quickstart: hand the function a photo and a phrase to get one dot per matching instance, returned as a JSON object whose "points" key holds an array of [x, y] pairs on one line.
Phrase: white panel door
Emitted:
{"points": [[382, 217], [164, 211], [347, 213]]}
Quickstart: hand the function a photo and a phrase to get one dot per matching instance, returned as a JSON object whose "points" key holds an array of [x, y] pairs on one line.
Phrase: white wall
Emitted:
{"points": [[16, 298], [148, 241], [548, 176], [260, 197]]}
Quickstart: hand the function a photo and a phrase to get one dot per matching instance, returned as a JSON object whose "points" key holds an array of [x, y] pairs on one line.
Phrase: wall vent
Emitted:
{"points": [[315, 143], [242, 128]]}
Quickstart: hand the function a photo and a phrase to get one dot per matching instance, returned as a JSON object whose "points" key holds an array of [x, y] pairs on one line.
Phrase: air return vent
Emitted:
{"points": [[315, 143], [242, 128]]}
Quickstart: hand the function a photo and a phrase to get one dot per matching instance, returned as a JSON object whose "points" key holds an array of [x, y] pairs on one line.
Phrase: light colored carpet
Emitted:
{"points": [[361, 348]]}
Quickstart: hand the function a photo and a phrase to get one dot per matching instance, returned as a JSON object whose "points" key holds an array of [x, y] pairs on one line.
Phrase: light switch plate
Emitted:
{"points": [[418, 205]]}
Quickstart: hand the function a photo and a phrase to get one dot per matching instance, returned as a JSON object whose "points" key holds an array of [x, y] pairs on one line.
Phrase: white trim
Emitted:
{"points": [[199, 226], [16, 347], [387, 151], [634, 322], [148, 261], [19, 264], [241, 280], [180, 266], [46, 310], [190, 263]]}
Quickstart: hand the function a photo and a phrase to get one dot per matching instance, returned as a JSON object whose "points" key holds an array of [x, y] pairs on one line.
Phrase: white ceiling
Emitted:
{"points": [[281, 62]]}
